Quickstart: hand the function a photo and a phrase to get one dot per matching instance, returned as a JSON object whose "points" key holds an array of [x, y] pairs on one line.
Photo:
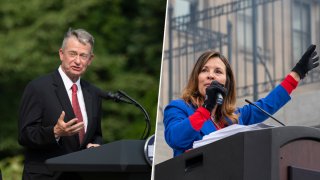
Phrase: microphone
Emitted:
{"points": [[219, 99], [219, 95], [116, 97], [265, 112], [107, 95]]}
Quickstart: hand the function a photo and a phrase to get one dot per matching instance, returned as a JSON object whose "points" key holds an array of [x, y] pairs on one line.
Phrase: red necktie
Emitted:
{"points": [[77, 110]]}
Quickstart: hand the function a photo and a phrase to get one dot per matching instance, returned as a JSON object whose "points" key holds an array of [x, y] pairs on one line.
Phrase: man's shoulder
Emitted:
{"points": [[39, 84], [44, 79], [89, 86]]}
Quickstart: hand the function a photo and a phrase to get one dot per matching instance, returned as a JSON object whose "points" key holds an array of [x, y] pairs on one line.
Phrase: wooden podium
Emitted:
{"points": [[282, 153], [119, 160]]}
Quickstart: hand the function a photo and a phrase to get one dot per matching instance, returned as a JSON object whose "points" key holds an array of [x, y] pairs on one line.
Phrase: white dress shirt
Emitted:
{"points": [[68, 84]]}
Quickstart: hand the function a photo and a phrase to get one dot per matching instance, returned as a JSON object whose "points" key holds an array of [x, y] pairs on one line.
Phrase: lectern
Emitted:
{"points": [[118, 160], [282, 153]]}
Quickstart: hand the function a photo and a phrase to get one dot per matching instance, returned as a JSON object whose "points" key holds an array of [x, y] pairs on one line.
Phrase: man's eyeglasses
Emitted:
{"points": [[82, 56]]}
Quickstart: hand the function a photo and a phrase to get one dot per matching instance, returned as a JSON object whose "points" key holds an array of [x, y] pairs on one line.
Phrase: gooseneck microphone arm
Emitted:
{"points": [[121, 96], [147, 118], [265, 112]]}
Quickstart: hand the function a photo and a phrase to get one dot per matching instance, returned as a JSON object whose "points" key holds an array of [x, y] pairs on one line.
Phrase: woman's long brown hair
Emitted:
{"points": [[192, 95]]}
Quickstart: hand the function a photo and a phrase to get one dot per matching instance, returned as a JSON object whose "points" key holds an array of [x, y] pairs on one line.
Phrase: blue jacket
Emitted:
{"points": [[180, 135]]}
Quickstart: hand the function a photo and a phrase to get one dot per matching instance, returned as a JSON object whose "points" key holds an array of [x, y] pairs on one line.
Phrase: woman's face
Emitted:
{"points": [[214, 69]]}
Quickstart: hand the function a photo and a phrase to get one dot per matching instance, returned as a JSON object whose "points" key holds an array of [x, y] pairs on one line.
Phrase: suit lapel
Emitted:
{"points": [[87, 96], [63, 96], [65, 103]]}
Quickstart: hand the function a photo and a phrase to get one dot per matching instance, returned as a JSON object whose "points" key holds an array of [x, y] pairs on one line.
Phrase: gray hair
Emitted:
{"points": [[81, 35]]}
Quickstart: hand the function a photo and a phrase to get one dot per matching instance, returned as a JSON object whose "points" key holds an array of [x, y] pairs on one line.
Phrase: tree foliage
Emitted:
{"points": [[128, 45]]}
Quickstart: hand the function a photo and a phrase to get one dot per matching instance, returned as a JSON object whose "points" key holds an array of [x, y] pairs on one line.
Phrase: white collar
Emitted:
{"points": [[66, 80]]}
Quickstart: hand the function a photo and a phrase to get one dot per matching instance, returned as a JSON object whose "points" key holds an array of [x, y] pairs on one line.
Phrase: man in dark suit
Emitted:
{"points": [[59, 112]]}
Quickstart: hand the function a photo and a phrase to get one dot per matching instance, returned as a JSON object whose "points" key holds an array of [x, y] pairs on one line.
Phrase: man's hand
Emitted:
{"points": [[67, 129], [90, 145]]}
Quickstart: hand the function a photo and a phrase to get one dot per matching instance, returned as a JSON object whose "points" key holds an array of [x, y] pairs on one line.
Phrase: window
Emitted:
{"points": [[182, 7], [244, 30], [301, 30]]}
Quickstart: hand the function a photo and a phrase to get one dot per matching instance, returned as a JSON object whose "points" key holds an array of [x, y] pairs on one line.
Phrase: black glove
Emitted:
{"points": [[308, 61], [212, 95]]}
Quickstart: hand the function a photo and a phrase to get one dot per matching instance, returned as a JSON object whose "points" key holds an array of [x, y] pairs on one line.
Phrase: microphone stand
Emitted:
{"points": [[265, 112], [120, 95]]}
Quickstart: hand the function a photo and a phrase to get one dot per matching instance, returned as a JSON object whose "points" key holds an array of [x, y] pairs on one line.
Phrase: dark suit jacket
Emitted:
{"points": [[42, 103]]}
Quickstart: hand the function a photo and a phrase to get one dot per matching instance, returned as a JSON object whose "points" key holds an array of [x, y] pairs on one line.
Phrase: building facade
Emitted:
{"points": [[263, 40]]}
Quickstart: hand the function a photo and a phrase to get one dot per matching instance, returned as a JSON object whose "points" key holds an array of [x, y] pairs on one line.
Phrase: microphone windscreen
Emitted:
{"points": [[219, 99]]}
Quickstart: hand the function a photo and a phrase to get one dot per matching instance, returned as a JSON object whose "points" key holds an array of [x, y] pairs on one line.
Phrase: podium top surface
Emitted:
{"points": [[118, 156]]}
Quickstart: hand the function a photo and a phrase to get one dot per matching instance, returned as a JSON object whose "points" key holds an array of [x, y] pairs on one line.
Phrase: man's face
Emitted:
{"points": [[75, 58]]}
